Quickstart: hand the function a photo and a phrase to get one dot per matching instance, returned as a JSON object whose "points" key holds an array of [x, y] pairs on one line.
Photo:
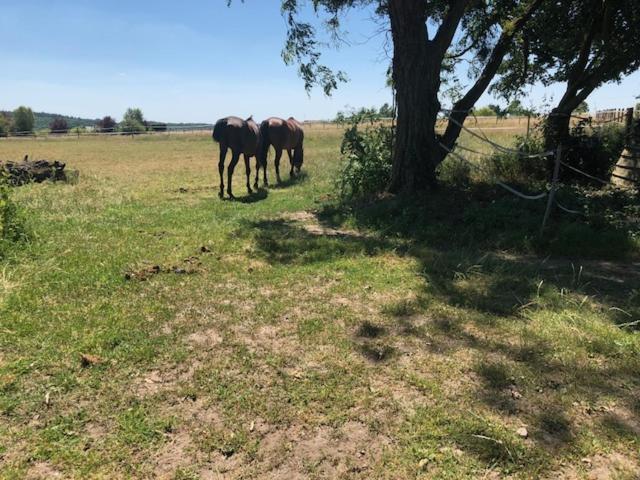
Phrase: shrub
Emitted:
{"points": [[484, 112], [59, 126], [514, 168], [23, 120], [455, 172], [367, 168], [594, 150]]}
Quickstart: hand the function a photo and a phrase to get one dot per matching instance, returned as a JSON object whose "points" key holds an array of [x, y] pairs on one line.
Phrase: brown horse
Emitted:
{"points": [[243, 138], [283, 135]]}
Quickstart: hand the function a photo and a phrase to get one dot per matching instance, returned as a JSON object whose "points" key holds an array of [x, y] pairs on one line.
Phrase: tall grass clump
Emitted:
{"points": [[11, 225], [517, 168], [367, 167]]}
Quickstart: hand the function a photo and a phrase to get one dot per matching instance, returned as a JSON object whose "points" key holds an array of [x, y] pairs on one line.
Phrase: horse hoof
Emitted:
{"points": [[255, 186], [250, 191], [221, 195]]}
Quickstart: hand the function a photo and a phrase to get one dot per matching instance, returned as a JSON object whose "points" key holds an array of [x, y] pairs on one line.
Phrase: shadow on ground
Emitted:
{"points": [[463, 263]]}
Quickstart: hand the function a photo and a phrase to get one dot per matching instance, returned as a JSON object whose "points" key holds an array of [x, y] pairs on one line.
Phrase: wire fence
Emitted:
{"points": [[550, 194]]}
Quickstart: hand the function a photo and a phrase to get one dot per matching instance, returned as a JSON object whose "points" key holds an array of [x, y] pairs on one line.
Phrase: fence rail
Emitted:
{"points": [[611, 115]]}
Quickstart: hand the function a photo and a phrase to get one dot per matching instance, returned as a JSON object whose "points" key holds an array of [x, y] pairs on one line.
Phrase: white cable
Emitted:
{"points": [[503, 185], [499, 147], [575, 212]]}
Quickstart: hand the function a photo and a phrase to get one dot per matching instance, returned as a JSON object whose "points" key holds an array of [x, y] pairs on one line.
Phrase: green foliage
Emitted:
{"points": [[5, 125], [363, 114], [11, 225], [59, 125], [582, 44], [133, 121], [498, 110], [455, 172], [386, 111], [106, 124], [594, 150], [582, 108], [23, 120], [367, 168], [485, 111], [513, 168]]}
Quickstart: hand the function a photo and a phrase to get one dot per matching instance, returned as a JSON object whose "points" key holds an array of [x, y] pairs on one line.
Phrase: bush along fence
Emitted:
{"points": [[626, 173]]}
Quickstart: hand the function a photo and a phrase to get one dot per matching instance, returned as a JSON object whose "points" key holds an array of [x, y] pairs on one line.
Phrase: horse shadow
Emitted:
{"points": [[254, 197], [299, 178]]}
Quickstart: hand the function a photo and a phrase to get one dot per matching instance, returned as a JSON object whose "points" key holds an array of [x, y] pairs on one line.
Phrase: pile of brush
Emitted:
{"points": [[26, 171]]}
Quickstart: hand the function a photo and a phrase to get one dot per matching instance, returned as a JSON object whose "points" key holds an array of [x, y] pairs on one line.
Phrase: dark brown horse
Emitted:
{"points": [[283, 135], [243, 138]]}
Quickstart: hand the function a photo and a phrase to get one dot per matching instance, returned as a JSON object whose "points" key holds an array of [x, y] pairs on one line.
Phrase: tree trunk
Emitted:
{"points": [[416, 152], [556, 128]]}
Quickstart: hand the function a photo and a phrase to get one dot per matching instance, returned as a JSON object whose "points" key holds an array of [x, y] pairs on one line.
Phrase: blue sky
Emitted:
{"points": [[192, 61]]}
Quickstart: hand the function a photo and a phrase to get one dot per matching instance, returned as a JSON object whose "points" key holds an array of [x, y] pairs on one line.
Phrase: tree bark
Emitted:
{"points": [[417, 62], [416, 81]]}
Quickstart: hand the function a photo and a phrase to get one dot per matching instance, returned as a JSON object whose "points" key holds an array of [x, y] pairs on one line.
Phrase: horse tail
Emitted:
{"points": [[264, 143], [218, 130], [298, 153]]}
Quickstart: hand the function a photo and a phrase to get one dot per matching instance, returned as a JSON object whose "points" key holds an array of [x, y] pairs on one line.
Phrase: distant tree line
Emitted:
{"points": [[364, 114], [515, 108], [23, 121]]}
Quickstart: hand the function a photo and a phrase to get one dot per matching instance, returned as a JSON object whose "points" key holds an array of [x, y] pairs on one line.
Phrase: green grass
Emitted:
{"points": [[379, 341]]}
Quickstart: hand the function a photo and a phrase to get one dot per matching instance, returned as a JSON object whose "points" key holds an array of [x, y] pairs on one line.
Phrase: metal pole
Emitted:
{"points": [[554, 187]]}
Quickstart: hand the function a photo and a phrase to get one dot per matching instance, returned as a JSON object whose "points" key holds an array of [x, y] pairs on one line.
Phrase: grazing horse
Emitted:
{"points": [[283, 135], [242, 137]]}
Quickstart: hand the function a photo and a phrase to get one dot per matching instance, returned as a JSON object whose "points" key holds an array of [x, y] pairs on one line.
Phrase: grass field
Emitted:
{"points": [[150, 330]]}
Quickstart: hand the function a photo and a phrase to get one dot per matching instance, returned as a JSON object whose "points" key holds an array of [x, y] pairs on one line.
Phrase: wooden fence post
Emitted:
{"points": [[554, 187]]}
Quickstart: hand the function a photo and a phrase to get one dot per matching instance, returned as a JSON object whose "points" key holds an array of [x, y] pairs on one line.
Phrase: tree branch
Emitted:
{"points": [[462, 107], [444, 36]]}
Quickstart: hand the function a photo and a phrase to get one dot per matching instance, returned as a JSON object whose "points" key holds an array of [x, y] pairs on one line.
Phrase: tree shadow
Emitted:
{"points": [[462, 266]]}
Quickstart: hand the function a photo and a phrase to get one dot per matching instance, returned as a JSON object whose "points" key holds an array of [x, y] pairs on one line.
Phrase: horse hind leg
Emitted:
{"points": [[255, 184], [223, 155], [277, 163], [247, 168], [230, 169], [291, 174]]}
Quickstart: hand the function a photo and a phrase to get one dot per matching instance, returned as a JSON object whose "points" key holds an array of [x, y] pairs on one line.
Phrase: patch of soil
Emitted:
{"points": [[268, 338], [42, 471], [324, 452], [310, 223], [174, 454], [205, 339], [156, 381], [613, 466]]}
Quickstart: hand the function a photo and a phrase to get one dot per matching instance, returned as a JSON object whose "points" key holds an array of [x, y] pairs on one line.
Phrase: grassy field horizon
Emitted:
{"points": [[150, 330]]}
